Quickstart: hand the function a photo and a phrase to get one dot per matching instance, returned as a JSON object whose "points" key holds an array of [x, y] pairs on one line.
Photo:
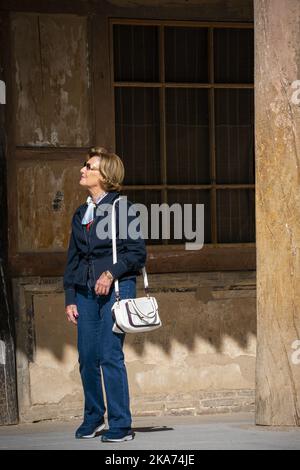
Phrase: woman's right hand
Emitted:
{"points": [[72, 313]]}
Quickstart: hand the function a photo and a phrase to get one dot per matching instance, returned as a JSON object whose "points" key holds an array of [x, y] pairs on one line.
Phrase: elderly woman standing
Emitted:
{"points": [[89, 293]]}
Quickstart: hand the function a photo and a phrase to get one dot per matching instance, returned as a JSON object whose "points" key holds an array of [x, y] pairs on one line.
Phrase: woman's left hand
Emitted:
{"points": [[103, 284]]}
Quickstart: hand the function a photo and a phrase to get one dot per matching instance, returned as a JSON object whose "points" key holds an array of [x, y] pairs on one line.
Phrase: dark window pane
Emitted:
{"points": [[234, 117], [186, 55], [137, 134], [187, 136], [136, 53], [236, 216], [147, 198], [190, 197], [234, 55]]}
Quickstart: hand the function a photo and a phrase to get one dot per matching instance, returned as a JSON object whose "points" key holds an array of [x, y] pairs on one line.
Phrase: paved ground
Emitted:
{"points": [[234, 431]]}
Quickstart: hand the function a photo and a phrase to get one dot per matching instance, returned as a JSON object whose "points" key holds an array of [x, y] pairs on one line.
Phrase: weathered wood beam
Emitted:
{"points": [[161, 259], [8, 397], [277, 112]]}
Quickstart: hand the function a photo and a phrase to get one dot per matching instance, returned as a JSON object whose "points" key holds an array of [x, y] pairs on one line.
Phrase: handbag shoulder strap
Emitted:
{"points": [[114, 247]]}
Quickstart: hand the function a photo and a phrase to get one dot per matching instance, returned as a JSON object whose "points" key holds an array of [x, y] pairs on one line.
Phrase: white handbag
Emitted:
{"points": [[133, 315]]}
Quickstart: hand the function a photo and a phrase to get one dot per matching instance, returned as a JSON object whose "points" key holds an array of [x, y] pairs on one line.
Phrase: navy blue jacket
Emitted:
{"points": [[88, 253]]}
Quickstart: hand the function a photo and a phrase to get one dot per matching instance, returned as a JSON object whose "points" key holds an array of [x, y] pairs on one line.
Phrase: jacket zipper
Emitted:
{"points": [[87, 239]]}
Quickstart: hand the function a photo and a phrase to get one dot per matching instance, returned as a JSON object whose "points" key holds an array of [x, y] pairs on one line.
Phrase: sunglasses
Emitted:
{"points": [[88, 167]]}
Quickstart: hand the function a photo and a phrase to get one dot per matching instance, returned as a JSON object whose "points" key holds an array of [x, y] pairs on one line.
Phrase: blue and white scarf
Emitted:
{"points": [[89, 213]]}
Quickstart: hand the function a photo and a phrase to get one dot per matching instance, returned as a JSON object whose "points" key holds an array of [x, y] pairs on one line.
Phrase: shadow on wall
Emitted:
{"points": [[217, 311]]}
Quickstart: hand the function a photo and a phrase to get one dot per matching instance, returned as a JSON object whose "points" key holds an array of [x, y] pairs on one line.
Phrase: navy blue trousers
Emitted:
{"points": [[99, 347]]}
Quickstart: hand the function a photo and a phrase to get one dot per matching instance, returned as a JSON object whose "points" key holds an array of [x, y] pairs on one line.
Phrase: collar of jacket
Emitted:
{"points": [[108, 199]]}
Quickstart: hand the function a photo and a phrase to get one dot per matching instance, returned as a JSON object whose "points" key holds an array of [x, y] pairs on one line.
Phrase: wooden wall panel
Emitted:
{"points": [[52, 84], [48, 194]]}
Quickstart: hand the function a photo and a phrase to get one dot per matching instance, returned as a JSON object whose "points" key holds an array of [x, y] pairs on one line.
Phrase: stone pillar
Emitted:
{"points": [[277, 113]]}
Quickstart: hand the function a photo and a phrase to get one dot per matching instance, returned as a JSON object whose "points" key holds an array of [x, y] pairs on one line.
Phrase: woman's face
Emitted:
{"points": [[90, 174]]}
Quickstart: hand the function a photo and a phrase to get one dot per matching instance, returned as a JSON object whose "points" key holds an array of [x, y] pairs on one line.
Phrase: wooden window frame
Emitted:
{"points": [[245, 250]]}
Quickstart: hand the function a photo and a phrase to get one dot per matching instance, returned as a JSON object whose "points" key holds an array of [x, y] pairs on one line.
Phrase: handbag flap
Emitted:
{"points": [[145, 306]]}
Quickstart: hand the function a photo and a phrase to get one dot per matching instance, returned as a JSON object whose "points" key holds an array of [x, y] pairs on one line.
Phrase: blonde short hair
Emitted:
{"points": [[111, 168]]}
